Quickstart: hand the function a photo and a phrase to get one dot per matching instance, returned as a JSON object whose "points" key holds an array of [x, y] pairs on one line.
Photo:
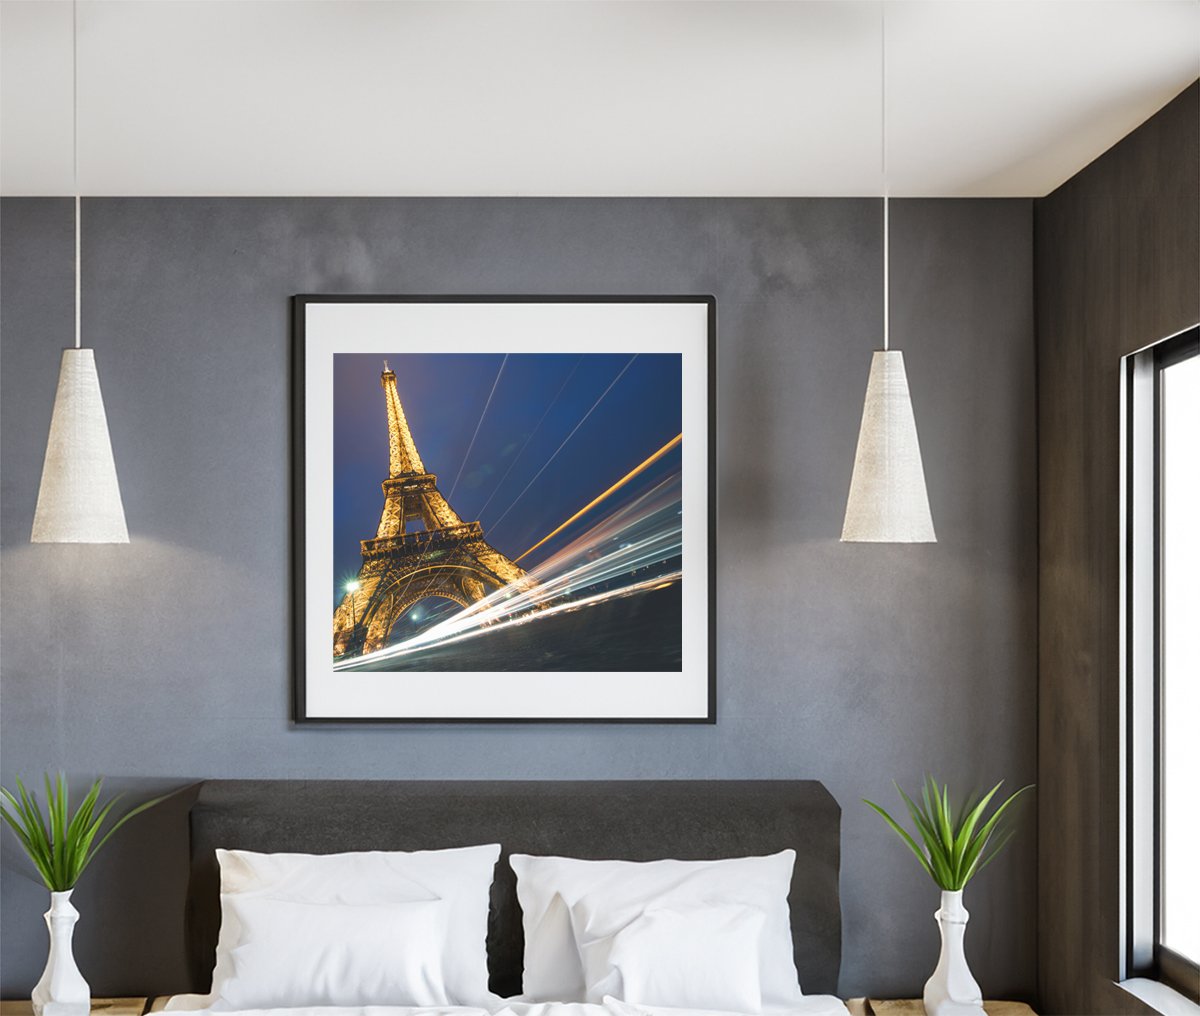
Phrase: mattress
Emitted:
{"points": [[812, 1005]]}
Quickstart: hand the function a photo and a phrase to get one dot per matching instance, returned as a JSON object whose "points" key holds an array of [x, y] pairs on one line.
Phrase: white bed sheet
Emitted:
{"points": [[810, 1005]]}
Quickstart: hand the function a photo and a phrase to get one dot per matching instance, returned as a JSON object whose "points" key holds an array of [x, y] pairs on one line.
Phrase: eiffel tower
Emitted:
{"points": [[422, 548]]}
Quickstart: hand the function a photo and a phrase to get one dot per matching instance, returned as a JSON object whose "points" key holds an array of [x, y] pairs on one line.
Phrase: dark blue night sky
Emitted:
{"points": [[443, 396]]}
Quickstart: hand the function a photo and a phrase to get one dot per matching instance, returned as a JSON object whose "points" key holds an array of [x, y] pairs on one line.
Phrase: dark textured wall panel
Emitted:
{"points": [[166, 661], [1118, 267]]}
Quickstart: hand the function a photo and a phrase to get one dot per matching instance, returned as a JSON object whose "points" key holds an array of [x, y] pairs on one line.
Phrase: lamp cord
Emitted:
{"points": [[75, 153], [884, 170]]}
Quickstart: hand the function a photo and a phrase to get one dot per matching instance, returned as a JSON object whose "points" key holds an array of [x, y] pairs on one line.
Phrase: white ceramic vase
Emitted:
{"points": [[952, 991], [62, 991]]}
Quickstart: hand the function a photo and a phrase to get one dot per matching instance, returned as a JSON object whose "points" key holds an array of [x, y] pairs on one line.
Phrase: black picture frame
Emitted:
{"points": [[300, 304]]}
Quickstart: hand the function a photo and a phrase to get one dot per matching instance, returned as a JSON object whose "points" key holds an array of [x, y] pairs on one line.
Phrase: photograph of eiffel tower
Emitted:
{"points": [[505, 508], [549, 533]]}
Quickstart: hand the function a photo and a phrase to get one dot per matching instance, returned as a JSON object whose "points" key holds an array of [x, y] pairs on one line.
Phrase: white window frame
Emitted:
{"points": [[1142, 954]]}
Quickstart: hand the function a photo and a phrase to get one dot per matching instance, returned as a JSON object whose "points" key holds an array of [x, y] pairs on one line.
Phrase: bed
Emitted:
{"points": [[627, 820]]}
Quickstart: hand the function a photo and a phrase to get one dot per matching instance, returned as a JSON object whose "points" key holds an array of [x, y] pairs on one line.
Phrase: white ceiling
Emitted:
{"points": [[343, 97]]}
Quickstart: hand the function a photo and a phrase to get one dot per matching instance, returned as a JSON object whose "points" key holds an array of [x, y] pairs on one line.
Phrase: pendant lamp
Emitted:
{"points": [[79, 500], [888, 502]]}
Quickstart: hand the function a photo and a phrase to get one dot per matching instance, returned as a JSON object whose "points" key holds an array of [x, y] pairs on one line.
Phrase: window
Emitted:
{"points": [[1161, 662], [1179, 617]]}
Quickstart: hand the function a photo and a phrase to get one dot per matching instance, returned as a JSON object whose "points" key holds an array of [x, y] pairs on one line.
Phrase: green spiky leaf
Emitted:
{"points": [[953, 846], [61, 844]]}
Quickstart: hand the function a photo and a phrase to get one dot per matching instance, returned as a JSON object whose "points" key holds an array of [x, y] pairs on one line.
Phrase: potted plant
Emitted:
{"points": [[954, 849], [61, 845]]}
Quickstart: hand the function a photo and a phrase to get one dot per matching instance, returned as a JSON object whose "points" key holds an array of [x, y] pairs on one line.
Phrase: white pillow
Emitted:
{"points": [[685, 957], [548, 887], [331, 954], [462, 877]]}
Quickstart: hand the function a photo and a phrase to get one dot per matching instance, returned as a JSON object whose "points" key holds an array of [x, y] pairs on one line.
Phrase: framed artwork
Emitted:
{"points": [[504, 508]]}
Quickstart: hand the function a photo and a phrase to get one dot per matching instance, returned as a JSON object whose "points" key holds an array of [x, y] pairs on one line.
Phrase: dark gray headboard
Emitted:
{"points": [[630, 820]]}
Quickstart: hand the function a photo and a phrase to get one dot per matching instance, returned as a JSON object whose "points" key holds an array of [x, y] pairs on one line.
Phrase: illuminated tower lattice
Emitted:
{"points": [[422, 549]]}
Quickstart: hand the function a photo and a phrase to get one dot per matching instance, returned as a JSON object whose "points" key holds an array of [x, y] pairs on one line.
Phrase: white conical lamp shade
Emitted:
{"points": [[888, 502], [79, 500]]}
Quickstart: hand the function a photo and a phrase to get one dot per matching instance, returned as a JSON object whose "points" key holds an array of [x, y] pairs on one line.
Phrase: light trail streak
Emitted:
{"points": [[658, 508], [480, 424], [536, 427], [477, 426], [637, 470], [620, 375], [639, 537], [409, 647]]}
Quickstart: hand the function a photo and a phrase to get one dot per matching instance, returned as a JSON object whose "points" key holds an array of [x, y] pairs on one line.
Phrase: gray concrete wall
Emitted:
{"points": [[165, 661]]}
